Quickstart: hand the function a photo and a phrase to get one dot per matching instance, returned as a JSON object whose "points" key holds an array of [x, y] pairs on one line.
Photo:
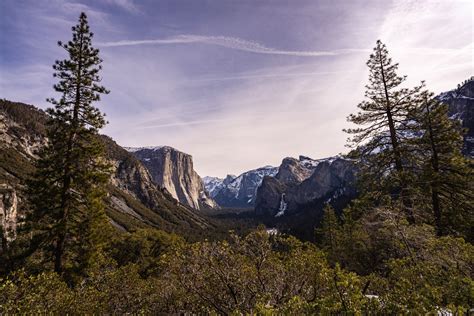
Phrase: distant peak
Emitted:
{"points": [[153, 148]]}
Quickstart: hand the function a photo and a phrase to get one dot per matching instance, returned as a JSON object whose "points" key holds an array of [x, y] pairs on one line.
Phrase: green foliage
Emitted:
{"points": [[330, 227], [408, 147], [154, 272], [143, 248], [445, 181], [23, 294], [260, 273], [67, 223], [379, 141], [441, 276]]}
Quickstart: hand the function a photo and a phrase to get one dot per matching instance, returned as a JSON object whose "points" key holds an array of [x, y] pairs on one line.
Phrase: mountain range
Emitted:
{"points": [[158, 186], [241, 191]]}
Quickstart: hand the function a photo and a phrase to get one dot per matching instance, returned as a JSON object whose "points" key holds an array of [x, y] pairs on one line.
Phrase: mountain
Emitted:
{"points": [[214, 185], [133, 201], [293, 200], [173, 170], [239, 192], [461, 106], [304, 181]]}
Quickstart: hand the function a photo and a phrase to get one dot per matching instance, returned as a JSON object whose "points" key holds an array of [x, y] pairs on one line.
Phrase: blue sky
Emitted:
{"points": [[237, 84]]}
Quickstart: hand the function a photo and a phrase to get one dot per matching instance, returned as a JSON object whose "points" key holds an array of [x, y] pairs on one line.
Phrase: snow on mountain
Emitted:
{"points": [[238, 191], [461, 107], [313, 163], [153, 148], [213, 185]]}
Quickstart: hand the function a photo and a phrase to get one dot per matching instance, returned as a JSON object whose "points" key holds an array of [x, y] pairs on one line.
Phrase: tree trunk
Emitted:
{"points": [[396, 152], [67, 178], [435, 165]]}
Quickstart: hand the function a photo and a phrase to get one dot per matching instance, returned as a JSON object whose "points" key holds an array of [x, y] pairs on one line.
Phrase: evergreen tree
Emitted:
{"points": [[66, 194], [329, 231], [446, 177], [379, 142]]}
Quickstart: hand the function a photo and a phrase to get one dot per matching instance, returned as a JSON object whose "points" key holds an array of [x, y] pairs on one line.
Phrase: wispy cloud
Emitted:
{"points": [[258, 48], [185, 123], [270, 75], [232, 43], [128, 5]]}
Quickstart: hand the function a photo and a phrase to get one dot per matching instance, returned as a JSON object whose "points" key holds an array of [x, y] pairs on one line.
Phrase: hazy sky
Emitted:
{"points": [[236, 84]]}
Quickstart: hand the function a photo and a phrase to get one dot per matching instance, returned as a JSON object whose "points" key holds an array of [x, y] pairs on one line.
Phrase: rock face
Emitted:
{"points": [[214, 185], [8, 214], [293, 200], [304, 181], [461, 106], [173, 170], [238, 191]]}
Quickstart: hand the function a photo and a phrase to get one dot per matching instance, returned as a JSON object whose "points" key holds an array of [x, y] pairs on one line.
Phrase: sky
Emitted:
{"points": [[236, 84]]}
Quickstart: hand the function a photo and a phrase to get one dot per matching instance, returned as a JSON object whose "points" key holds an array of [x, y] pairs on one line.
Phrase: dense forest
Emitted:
{"points": [[403, 246]]}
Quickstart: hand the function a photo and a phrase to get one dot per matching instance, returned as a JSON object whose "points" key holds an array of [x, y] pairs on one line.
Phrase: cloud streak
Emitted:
{"points": [[231, 43], [258, 48], [277, 75]]}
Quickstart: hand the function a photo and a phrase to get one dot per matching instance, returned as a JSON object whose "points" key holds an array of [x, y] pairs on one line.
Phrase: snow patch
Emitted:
{"points": [[313, 163]]}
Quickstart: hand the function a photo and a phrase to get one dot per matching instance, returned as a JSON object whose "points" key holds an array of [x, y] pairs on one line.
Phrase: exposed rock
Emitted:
{"points": [[214, 185], [14, 135], [461, 106], [293, 200], [302, 182], [8, 213], [173, 170], [293, 171], [238, 191]]}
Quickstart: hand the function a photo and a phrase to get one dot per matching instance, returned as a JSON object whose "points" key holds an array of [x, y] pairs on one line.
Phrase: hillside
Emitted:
{"points": [[134, 200]]}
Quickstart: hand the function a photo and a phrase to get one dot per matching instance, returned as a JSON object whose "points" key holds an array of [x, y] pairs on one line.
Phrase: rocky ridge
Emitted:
{"points": [[173, 170], [239, 192], [461, 107], [304, 181]]}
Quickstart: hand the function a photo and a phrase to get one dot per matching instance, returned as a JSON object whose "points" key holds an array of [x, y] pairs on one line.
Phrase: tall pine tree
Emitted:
{"points": [[445, 174], [329, 230], [67, 190], [379, 142]]}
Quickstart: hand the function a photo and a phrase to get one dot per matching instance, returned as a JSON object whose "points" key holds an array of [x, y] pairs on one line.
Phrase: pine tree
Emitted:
{"points": [[379, 141], [329, 230], [446, 177], [67, 190]]}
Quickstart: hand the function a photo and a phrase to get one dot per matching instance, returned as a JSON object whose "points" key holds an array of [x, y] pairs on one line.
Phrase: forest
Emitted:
{"points": [[404, 246]]}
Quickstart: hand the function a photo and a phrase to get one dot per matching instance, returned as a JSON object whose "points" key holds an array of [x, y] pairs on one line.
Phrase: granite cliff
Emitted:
{"points": [[173, 170]]}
